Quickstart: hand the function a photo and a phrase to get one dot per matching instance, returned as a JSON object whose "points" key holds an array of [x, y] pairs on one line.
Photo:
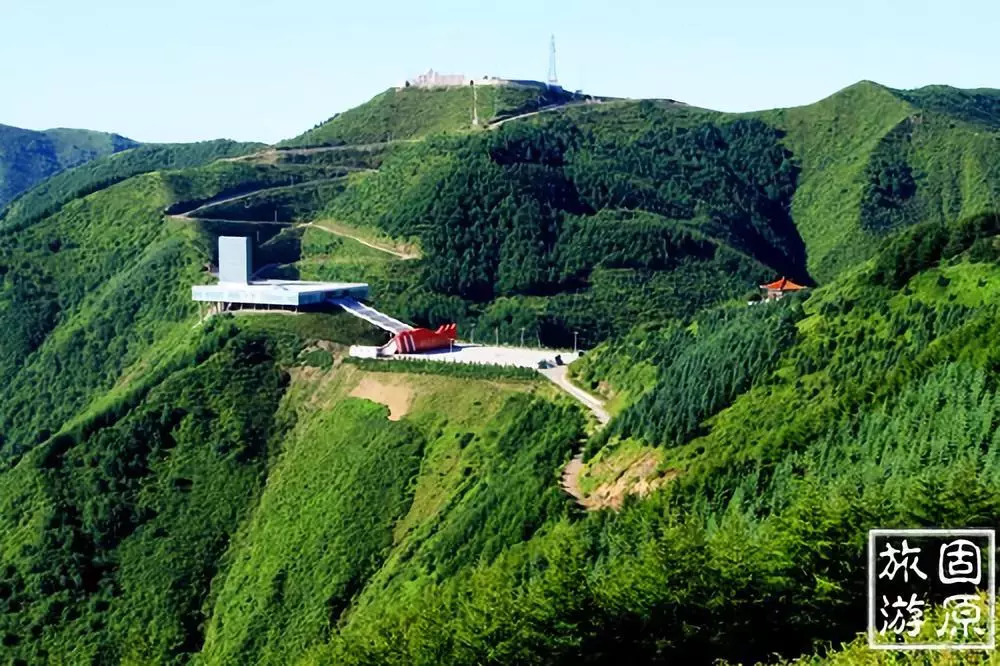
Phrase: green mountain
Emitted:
{"points": [[51, 194], [28, 157], [240, 490], [875, 160]]}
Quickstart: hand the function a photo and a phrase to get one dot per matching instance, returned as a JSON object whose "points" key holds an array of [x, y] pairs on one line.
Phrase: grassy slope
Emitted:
{"points": [[840, 143], [28, 157], [957, 171], [200, 442], [351, 495], [878, 412], [410, 113], [979, 106], [835, 140]]}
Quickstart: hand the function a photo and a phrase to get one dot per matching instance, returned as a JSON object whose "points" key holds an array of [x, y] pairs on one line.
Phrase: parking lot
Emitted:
{"points": [[490, 355]]}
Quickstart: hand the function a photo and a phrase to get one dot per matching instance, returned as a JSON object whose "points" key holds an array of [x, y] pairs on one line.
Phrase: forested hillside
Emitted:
{"points": [[50, 195], [28, 157], [235, 490]]}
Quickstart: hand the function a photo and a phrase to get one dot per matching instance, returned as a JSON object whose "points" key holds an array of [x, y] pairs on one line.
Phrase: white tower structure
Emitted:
{"points": [[553, 79], [235, 259]]}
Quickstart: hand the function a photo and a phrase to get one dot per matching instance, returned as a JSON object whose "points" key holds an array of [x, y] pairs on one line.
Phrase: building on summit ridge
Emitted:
{"points": [[433, 79]]}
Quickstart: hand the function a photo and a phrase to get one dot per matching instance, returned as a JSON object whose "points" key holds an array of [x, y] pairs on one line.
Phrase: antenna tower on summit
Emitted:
{"points": [[553, 79]]}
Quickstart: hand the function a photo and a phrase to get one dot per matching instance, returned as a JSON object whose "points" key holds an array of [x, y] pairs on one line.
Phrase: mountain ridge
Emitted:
{"points": [[27, 157]]}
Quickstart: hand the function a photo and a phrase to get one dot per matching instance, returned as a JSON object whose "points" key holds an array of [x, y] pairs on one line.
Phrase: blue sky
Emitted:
{"points": [[188, 70]]}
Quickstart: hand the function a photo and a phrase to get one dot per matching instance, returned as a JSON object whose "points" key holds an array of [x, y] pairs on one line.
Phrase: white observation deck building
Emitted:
{"points": [[236, 285]]}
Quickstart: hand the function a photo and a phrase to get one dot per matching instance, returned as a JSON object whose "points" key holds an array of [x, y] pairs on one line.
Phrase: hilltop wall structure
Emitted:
{"points": [[433, 79]]}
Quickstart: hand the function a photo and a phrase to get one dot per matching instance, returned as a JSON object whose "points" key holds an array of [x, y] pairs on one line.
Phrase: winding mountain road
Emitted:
{"points": [[571, 472], [493, 124], [193, 214], [271, 155], [559, 376]]}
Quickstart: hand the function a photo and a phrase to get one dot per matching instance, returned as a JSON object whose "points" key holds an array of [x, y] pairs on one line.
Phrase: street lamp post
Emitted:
{"points": [[473, 334], [574, 341]]}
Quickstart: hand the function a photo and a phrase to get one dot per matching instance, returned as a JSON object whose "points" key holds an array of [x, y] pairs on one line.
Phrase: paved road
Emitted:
{"points": [[523, 357], [545, 109], [193, 213], [464, 352], [271, 154], [571, 472], [558, 375]]}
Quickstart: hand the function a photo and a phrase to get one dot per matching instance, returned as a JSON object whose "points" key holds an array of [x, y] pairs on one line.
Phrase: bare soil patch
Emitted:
{"points": [[639, 478], [397, 397]]}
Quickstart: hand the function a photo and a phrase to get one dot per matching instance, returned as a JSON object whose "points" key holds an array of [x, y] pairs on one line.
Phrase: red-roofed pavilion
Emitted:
{"points": [[779, 288]]}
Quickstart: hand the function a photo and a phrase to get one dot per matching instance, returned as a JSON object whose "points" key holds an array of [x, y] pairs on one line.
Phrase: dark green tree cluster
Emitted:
{"points": [[704, 367], [735, 179], [889, 198], [926, 244], [637, 241], [431, 367]]}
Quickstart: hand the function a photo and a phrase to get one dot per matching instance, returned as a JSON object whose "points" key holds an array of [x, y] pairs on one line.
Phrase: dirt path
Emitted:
{"points": [[549, 109], [571, 479], [193, 213], [374, 246], [573, 469]]}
